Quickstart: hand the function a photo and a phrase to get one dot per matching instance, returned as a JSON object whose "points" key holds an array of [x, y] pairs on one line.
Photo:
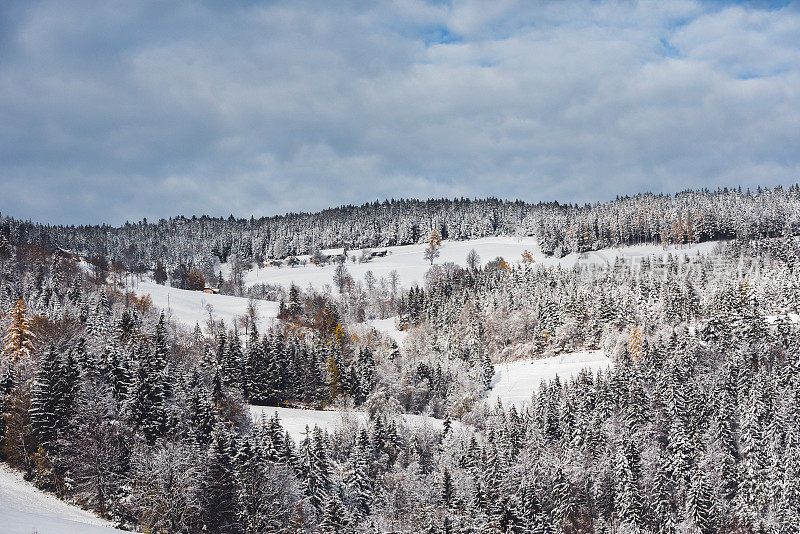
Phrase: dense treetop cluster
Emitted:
{"points": [[690, 216]]}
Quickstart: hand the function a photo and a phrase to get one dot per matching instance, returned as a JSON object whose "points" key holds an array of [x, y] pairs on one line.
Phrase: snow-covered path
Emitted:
{"points": [[24, 510]]}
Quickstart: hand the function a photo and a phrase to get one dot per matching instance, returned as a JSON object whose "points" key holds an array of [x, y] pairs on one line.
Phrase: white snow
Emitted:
{"points": [[295, 420], [192, 307], [514, 382], [25, 509], [632, 255], [408, 260], [411, 265], [790, 317], [388, 327]]}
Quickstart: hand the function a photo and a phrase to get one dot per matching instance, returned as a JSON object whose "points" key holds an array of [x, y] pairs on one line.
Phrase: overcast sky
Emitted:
{"points": [[114, 111]]}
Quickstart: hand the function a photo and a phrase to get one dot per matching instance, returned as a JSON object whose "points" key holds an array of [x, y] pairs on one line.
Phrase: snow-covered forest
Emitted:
{"points": [[157, 425], [687, 217]]}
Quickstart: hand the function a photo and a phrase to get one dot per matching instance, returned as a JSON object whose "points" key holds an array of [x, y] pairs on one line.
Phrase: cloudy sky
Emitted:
{"points": [[114, 111]]}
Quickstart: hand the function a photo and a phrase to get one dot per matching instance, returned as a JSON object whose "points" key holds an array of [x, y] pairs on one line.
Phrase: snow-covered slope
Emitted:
{"points": [[295, 420], [514, 382], [633, 254], [410, 264], [25, 510], [408, 260], [191, 307], [388, 327]]}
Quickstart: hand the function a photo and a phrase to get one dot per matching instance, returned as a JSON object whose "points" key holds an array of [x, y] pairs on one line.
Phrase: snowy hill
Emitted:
{"points": [[24, 510], [411, 266], [514, 382], [191, 307], [408, 260]]}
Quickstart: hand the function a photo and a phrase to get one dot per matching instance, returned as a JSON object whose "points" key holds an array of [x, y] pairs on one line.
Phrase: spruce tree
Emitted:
{"points": [[147, 402], [45, 409], [700, 505], [219, 502], [334, 517]]}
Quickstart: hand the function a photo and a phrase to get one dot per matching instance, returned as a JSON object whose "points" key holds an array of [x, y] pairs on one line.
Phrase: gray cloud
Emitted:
{"points": [[114, 111]]}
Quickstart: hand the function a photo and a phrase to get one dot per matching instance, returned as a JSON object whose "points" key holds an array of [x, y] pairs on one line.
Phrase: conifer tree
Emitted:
{"points": [[201, 413], [700, 505], [357, 478], [18, 341], [334, 517], [45, 410], [219, 502], [148, 402], [446, 490], [627, 506], [314, 467], [663, 518]]}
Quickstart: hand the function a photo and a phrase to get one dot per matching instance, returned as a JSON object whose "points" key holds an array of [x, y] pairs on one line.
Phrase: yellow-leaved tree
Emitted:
{"points": [[635, 342], [18, 342], [527, 257], [17, 445]]}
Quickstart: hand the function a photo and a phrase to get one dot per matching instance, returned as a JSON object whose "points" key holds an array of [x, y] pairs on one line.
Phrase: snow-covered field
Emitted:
{"points": [[634, 254], [411, 266], [295, 420], [514, 382], [193, 307], [408, 260], [388, 327], [25, 510]]}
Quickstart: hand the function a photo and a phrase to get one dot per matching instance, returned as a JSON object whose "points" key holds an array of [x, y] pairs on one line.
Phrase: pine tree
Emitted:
{"points": [[200, 410], [6, 385], [253, 385], [314, 467], [118, 373], [627, 505], [148, 401], [446, 489], [45, 410], [334, 517], [232, 363], [357, 478], [272, 377], [700, 505], [219, 502], [663, 518], [789, 502], [487, 368]]}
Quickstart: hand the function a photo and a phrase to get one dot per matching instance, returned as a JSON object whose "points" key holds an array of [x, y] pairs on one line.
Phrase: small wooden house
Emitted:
{"points": [[334, 254]]}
